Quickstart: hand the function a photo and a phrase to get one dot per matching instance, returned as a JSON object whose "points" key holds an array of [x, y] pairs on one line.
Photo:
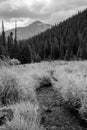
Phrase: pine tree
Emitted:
{"points": [[79, 52], [3, 46], [61, 49], [10, 44], [15, 40], [15, 48], [3, 35]]}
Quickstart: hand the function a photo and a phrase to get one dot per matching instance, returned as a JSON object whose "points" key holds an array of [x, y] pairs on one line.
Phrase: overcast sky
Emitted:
{"points": [[48, 11]]}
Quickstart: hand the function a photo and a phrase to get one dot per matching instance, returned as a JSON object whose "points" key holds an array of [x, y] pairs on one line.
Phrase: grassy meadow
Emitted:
{"points": [[44, 96]]}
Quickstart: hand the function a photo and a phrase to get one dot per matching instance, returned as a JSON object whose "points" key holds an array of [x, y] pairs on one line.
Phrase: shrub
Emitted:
{"points": [[3, 63], [6, 61], [43, 82], [14, 62], [10, 91], [37, 58], [73, 100]]}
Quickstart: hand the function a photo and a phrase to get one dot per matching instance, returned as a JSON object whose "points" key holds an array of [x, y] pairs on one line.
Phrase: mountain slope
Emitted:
{"points": [[30, 30], [67, 40]]}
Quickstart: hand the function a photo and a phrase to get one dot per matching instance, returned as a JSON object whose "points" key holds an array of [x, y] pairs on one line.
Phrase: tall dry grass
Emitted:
{"points": [[16, 93], [17, 89], [72, 83], [14, 87], [25, 117]]}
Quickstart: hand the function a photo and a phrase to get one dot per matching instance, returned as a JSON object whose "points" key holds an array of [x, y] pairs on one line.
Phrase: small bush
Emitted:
{"points": [[44, 82], [10, 91], [73, 101], [37, 58], [3, 63], [6, 61], [14, 62]]}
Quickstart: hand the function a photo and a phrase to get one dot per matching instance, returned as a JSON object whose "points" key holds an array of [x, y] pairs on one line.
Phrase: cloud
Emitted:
{"points": [[51, 11], [23, 8], [36, 8], [3, 1], [62, 15]]}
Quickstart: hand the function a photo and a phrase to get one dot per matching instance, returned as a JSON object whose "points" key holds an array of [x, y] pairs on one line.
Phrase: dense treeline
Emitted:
{"points": [[67, 40]]}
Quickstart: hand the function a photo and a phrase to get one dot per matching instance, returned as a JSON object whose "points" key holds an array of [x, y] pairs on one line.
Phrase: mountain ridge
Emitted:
{"points": [[29, 30]]}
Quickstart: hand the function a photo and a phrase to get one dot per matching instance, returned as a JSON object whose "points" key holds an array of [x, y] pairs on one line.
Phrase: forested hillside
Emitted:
{"points": [[67, 40]]}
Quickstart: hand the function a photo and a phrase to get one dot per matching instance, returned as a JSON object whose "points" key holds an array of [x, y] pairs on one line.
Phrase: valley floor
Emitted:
{"points": [[44, 96]]}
